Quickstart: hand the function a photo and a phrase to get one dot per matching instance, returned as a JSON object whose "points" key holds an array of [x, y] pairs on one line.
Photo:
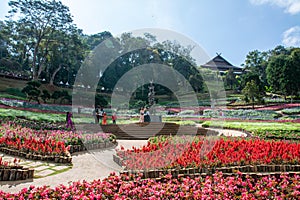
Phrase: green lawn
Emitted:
{"points": [[253, 126], [270, 130]]}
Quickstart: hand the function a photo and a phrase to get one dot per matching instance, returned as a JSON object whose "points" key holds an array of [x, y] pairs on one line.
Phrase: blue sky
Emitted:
{"points": [[230, 27]]}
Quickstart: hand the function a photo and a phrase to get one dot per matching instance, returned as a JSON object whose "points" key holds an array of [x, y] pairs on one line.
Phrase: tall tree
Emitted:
{"points": [[230, 79], [255, 64], [65, 57], [283, 72], [39, 19], [251, 93]]}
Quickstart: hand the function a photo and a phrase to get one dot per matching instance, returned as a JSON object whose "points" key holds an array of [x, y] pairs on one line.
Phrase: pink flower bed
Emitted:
{"points": [[279, 107], [212, 187], [249, 120]]}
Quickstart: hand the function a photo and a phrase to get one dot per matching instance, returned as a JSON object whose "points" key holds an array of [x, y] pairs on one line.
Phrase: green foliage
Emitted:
{"points": [[32, 90], [283, 72], [231, 80], [47, 117], [242, 114], [253, 126], [62, 96], [15, 92], [291, 111], [255, 64], [138, 104], [38, 21], [251, 93], [100, 101], [45, 95]]}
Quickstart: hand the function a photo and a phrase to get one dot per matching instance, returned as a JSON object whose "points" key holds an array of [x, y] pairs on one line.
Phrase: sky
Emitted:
{"points": [[231, 27]]}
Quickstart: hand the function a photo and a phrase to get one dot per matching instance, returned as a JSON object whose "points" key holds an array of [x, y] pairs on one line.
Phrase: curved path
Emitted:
{"points": [[89, 165]]}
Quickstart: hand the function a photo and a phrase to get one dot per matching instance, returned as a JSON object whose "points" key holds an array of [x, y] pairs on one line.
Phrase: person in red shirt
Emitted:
{"points": [[104, 119], [114, 118]]}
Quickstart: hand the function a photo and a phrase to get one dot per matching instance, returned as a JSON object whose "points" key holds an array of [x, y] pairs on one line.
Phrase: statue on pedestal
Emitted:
{"points": [[151, 103]]}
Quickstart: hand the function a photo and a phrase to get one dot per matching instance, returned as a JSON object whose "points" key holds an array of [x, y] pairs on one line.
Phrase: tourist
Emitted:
{"points": [[100, 114], [104, 119], [141, 115], [114, 118], [69, 121], [95, 116], [147, 115]]}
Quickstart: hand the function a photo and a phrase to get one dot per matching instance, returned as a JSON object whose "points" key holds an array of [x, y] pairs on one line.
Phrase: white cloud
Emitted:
{"points": [[290, 6], [291, 37]]}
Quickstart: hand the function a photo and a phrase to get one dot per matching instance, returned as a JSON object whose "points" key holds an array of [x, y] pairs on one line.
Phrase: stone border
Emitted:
{"points": [[31, 156], [248, 169], [59, 159], [94, 146], [15, 173]]}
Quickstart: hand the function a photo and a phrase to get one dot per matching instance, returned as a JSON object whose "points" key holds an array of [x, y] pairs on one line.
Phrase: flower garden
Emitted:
{"points": [[263, 166], [214, 186], [198, 152]]}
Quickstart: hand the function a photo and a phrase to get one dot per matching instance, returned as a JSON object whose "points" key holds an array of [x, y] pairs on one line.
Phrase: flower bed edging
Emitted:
{"points": [[15, 173], [246, 169], [31, 156], [58, 158], [100, 146]]}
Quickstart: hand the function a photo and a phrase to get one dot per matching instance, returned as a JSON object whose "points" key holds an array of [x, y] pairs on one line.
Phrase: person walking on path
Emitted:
{"points": [[104, 119], [69, 121], [146, 115], [100, 115], [114, 118], [95, 112], [141, 115]]}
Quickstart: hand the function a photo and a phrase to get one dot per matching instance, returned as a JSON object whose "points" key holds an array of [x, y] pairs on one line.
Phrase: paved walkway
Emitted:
{"points": [[41, 169], [88, 165]]}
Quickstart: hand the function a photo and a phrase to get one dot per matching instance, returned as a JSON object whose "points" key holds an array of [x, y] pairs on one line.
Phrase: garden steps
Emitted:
{"points": [[143, 131]]}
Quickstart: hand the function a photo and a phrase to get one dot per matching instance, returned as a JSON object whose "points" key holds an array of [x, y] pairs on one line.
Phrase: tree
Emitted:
{"points": [[3, 41], [38, 20], [62, 95], [251, 93], [255, 67], [283, 72], [230, 79], [45, 95], [32, 90], [65, 56], [94, 40]]}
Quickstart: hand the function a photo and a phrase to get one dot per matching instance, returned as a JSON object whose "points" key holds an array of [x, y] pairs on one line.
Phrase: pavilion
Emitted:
{"points": [[222, 65]]}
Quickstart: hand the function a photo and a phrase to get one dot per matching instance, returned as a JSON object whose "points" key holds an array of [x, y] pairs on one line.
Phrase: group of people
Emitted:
{"points": [[100, 116], [144, 115]]}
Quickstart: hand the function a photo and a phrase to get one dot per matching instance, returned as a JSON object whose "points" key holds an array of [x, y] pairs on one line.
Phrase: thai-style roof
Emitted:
{"points": [[221, 64]]}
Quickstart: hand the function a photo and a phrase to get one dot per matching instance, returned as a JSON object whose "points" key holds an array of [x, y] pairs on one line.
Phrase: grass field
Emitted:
{"points": [[253, 126]]}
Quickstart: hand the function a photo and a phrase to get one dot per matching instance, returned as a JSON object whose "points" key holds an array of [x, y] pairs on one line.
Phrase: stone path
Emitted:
{"points": [[227, 132], [41, 169], [88, 165]]}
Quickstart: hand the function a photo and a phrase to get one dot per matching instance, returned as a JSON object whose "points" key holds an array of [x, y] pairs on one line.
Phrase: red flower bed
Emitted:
{"points": [[182, 152], [32, 145], [31, 141], [212, 187]]}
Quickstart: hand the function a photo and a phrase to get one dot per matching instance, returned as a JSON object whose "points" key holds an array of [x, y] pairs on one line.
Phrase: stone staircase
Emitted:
{"points": [[143, 131]]}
